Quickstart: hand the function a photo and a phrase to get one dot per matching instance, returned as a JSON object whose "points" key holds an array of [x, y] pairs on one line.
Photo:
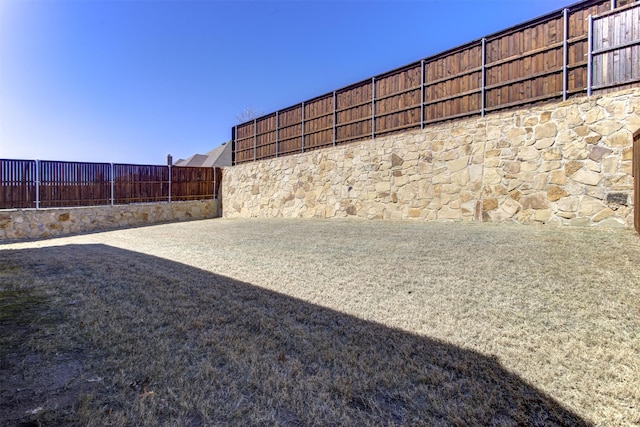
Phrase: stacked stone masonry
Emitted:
{"points": [[566, 163], [53, 222]]}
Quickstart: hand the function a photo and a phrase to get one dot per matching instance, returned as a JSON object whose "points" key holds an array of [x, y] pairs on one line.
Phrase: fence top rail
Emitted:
{"points": [[72, 162], [103, 164], [134, 164], [617, 10], [523, 25], [16, 160]]}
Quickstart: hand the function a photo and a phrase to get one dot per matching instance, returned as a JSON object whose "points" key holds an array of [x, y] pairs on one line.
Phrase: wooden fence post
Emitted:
{"points": [[255, 140]]}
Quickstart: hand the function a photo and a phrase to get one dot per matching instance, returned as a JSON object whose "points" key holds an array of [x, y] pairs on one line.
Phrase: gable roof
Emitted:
{"points": [[216, 157]]}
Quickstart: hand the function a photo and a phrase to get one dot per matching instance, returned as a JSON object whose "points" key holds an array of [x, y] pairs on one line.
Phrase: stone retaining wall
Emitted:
{"points": [[52, 222], [566, 163]]}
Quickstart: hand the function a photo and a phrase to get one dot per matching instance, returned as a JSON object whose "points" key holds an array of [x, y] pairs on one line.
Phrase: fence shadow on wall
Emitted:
{"points": [[345, 369]]}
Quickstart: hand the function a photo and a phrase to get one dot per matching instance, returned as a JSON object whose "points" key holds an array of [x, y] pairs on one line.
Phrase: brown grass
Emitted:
{"points": [[285, 322]]}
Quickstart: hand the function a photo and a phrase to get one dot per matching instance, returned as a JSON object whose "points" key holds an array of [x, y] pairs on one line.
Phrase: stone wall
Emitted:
{"points": [[565, 163], [52, 222]]}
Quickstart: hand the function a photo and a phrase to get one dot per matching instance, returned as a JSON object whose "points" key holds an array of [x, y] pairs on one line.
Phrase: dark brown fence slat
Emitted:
{"points": [[17, 184], [397, 104], [290, 130], [69, 184], [526, 64], [318, 122], [265, 140], [140, 183], [74, 184], [192, 183], [354, 117]]}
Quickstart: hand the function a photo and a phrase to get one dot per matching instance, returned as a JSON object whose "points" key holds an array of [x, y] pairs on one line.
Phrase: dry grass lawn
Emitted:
{"points": [[305, 322]]}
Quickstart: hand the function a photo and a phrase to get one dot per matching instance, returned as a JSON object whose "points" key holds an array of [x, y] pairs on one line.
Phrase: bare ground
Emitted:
{"points": [[304, 322]]}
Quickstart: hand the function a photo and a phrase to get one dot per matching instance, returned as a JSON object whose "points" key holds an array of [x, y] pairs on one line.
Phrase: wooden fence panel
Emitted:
{"points": [[540, 60], [192, 183], [290, 130], [244, 143], [616, 45], [398, 96], [578, 46], [318, 122], [525, 65], [33, 184], [17, 184], [266, 137], [354, 113], [452, 84], [140, 183], [74, 184]]}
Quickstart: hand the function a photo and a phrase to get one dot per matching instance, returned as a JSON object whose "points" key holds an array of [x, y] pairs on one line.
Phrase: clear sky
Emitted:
{"points": [[132, 81]]}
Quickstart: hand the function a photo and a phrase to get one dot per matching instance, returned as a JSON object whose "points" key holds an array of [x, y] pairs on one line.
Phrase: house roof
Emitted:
{"points": [[211, 159]]}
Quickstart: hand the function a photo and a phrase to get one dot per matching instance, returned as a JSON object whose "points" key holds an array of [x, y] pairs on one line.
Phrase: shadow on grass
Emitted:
{"points": [[165, 343]]}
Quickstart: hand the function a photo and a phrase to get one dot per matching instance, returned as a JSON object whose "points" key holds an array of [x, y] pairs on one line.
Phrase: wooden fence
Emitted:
{"points": [[553, 57], [616, 48], [41, 184]]}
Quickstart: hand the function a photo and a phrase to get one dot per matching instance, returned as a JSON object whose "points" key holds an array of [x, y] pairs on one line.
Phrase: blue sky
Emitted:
{"points": [[132, 81]]}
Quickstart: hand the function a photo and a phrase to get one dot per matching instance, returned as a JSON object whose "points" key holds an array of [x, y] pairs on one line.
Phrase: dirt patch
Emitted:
{"points": [[32, 380]]}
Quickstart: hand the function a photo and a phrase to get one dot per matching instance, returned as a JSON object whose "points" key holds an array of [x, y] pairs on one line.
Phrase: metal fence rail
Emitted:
{"points": [[42, 184], [547, 58]]}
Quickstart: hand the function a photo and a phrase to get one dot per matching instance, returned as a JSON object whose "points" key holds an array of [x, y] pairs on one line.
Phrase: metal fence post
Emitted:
{"points": [[422, 94], [37, 184], [335, 118], [113, 178], [483, 79], [565, 51], [373, 107], [590, 55], [302, 127], [169, 166], [277, 124]]}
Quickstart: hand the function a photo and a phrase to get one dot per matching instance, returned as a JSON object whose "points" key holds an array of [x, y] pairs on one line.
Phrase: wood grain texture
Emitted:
{"points": [[522, 65], [68, 184]]}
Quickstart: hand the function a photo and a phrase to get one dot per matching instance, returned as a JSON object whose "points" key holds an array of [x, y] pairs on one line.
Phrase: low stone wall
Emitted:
{"points": [[566, 163], [52, 222]]}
